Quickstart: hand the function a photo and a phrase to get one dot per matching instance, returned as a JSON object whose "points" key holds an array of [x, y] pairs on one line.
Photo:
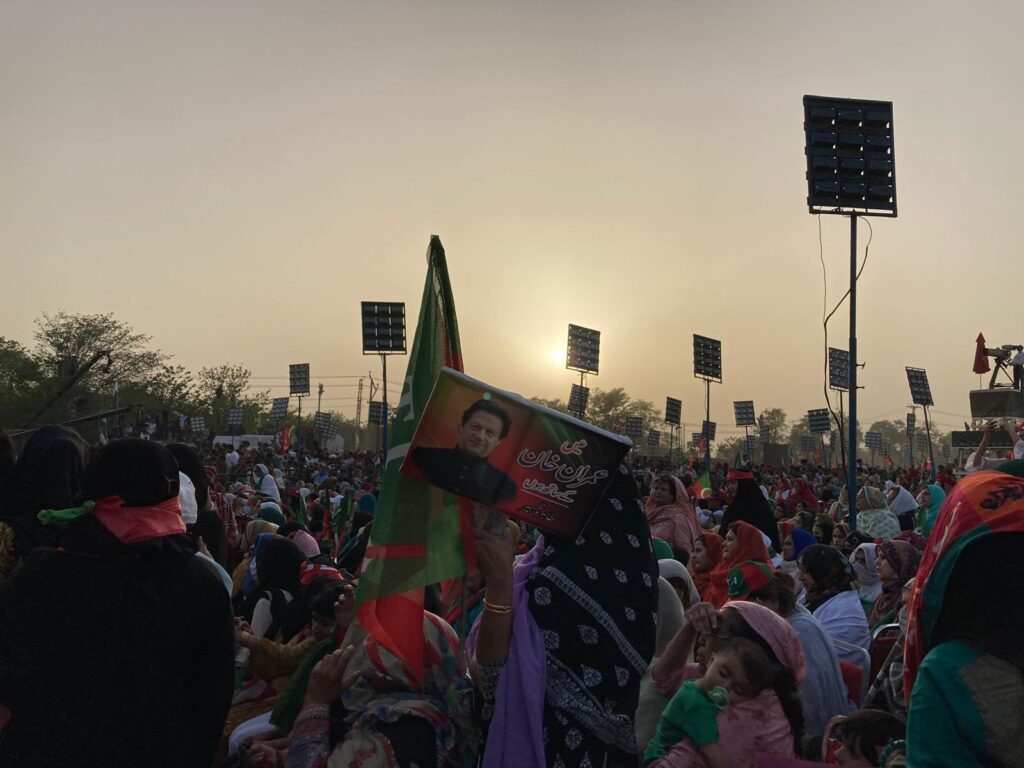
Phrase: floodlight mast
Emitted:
{"points": [[850, 172]]}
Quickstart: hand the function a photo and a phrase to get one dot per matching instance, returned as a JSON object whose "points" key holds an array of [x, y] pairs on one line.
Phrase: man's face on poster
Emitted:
{"points": [[480, 434]]}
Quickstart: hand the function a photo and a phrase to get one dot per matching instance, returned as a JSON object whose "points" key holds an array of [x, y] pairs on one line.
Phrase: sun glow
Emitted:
{"points": [[557, 356]]}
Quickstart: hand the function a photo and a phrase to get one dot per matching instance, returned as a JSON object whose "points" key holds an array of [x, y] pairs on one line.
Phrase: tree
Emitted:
{"points": [[608, 408], [64, 342], [775, 420], [222, 387]]}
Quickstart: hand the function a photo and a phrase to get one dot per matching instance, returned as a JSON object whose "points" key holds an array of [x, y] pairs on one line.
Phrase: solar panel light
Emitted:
{"points": [[383, 327], [873, 440], [885, 446], [198, 424], [376, 412], [298, 379], [695, 438], [578, 398], [321, 419], [744, 410], [838, 369], [673, 411], [911, 425], [235, 417], [922, 441], [806, 444], [634, 427], [654, 437], [920, 392], [707, 358], [751, 442], [279, 408], [708, 430], [765, 435], [583, 349], [818, 421], [850, 158]]}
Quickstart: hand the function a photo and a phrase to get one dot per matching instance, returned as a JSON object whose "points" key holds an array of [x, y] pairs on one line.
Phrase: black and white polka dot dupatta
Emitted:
{"points": [[595, 601]]}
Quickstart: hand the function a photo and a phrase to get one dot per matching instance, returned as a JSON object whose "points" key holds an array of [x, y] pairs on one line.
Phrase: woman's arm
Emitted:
{"points": [[700, 619], [494, 555]]}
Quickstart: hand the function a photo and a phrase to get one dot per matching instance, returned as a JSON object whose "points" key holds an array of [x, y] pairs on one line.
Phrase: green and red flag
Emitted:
{"points": [[421, 535], [701, 487]]}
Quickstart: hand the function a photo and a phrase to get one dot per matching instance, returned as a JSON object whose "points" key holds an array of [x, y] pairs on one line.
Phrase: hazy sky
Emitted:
{"points": [[233, 178]]}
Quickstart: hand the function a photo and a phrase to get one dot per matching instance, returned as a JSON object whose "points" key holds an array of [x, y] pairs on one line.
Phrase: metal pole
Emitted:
{"points": [[384, 364], [851, 469], [298, 431], [842, 443], [928, 429], [707, 420]]}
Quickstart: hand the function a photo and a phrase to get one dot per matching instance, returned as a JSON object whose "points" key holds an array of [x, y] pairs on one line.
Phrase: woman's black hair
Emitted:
{"points": [[142, 472], [291, 527], [208, 525], [867, 731], [781, 679]]}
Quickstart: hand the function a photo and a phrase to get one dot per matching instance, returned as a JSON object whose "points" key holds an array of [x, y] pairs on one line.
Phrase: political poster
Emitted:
{"points": [[505, 452]]}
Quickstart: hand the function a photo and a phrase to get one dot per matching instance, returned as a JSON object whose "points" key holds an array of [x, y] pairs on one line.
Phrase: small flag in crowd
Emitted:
{"points": [[701, 487]]}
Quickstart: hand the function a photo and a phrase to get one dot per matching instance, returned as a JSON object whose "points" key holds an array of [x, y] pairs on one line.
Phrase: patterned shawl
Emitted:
{"points": [[595, 601]]}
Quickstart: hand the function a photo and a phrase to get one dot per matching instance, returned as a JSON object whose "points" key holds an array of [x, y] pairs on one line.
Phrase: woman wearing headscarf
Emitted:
{"points": [[964, 659], [822, 691], [749, 505], [772, 723], [252, 533], [564, 639], [390, 718], [869, 585], [707, 553], [904, 507], [47, 475], [874, 518], [278, 564], [802, 493], [896, 563], [832, 596], [117, 648], [742, 542], [670, 514], [930, 500]]}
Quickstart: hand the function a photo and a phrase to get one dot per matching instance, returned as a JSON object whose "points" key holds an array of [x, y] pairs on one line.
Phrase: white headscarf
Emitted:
{"points": [[672, 569], [902, 503], [869, 585], [187, 499]]}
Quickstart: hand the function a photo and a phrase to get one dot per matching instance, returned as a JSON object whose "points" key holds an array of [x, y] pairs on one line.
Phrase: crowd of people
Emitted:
{"points": [[168, 605]]}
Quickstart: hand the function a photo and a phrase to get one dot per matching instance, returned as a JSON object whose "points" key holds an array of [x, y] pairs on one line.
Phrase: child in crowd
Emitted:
{"points": [[736, 672]]}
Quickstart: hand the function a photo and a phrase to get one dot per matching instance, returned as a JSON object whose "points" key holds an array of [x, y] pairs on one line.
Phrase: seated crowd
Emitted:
{"points": [[163, 606]]}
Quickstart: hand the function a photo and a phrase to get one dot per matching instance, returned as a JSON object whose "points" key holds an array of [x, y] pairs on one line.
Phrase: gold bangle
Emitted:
{"points": [[501, 610]]}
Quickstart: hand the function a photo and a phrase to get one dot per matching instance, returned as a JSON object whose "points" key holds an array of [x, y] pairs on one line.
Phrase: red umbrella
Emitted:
{"points": [[980, 358]]}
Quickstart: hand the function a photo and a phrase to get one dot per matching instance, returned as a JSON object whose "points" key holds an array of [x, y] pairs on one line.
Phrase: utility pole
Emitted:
{"points": [[359, 404]]}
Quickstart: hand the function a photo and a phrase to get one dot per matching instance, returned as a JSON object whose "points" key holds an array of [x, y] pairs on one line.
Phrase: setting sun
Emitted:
{"points": [[557, 356]]}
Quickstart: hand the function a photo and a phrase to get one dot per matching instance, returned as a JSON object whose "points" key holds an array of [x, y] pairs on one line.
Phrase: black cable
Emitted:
{"points": [[826, 318]]}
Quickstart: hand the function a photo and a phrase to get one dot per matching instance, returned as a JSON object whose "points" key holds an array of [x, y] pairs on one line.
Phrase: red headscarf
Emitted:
{"points": [[713, 543], [749, 546], [802, 492]]}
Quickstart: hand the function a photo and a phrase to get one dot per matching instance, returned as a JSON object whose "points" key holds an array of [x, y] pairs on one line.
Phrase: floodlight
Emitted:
{"points": [[708, 430], [654, 438], [838, 369], [818, 421], [945, 450], [873, 440], [920, 392], [376, 412], [578, 398], [765, 435], [911, 426], [298, 379], [707, 358], [583, 350], [751, 444], [321, 419], [850, 156], [806, 444], [744, 413], [673, 411], [235, 416], [922, 441], [634, 427], [695, 438], [885, 447], [279, 408], [383, 328], [198, 424]]}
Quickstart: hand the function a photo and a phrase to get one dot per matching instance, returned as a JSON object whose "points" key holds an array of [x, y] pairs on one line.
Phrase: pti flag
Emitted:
{"points": [[701, 487], [421, 535]]}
